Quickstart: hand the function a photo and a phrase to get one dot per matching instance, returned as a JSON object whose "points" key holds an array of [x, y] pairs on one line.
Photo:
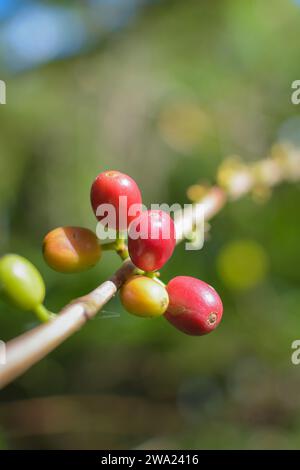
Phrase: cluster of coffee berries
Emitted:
{"points": [[189, 304]]}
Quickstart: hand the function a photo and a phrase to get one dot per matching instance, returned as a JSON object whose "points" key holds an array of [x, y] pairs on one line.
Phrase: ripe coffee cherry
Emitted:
{"points": [[71, 249], [151, 239], [20, 282], [144, 297], [195, 307], [107, 188]]}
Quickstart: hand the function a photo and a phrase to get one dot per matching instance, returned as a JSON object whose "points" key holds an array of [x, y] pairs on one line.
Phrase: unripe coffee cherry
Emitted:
{"points": [[194, 306], [108, 188], [144, 297], [151, 239], [20, 282], [71, 249]]}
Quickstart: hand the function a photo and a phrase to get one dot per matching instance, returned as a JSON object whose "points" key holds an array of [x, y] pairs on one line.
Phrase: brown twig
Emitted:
{"points": [[235, 180]]}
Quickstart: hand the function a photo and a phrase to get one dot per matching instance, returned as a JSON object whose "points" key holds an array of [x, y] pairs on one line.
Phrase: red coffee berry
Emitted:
{"points": [[151, 239], [107, 188], [194, 306]]}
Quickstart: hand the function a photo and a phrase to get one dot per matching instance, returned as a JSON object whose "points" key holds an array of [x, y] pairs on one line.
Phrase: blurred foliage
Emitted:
{"points": [[165, 99], [242, 264]]}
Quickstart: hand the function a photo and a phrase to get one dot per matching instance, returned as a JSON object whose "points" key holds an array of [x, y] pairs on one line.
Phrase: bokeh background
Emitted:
{"points": [[164, 91]]}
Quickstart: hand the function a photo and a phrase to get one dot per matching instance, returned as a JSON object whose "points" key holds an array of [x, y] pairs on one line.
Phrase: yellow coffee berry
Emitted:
{"points": [[144, 297]]}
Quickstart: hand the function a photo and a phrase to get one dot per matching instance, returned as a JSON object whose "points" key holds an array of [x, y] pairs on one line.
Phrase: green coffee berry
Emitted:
{"points": [[20, 282]]}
